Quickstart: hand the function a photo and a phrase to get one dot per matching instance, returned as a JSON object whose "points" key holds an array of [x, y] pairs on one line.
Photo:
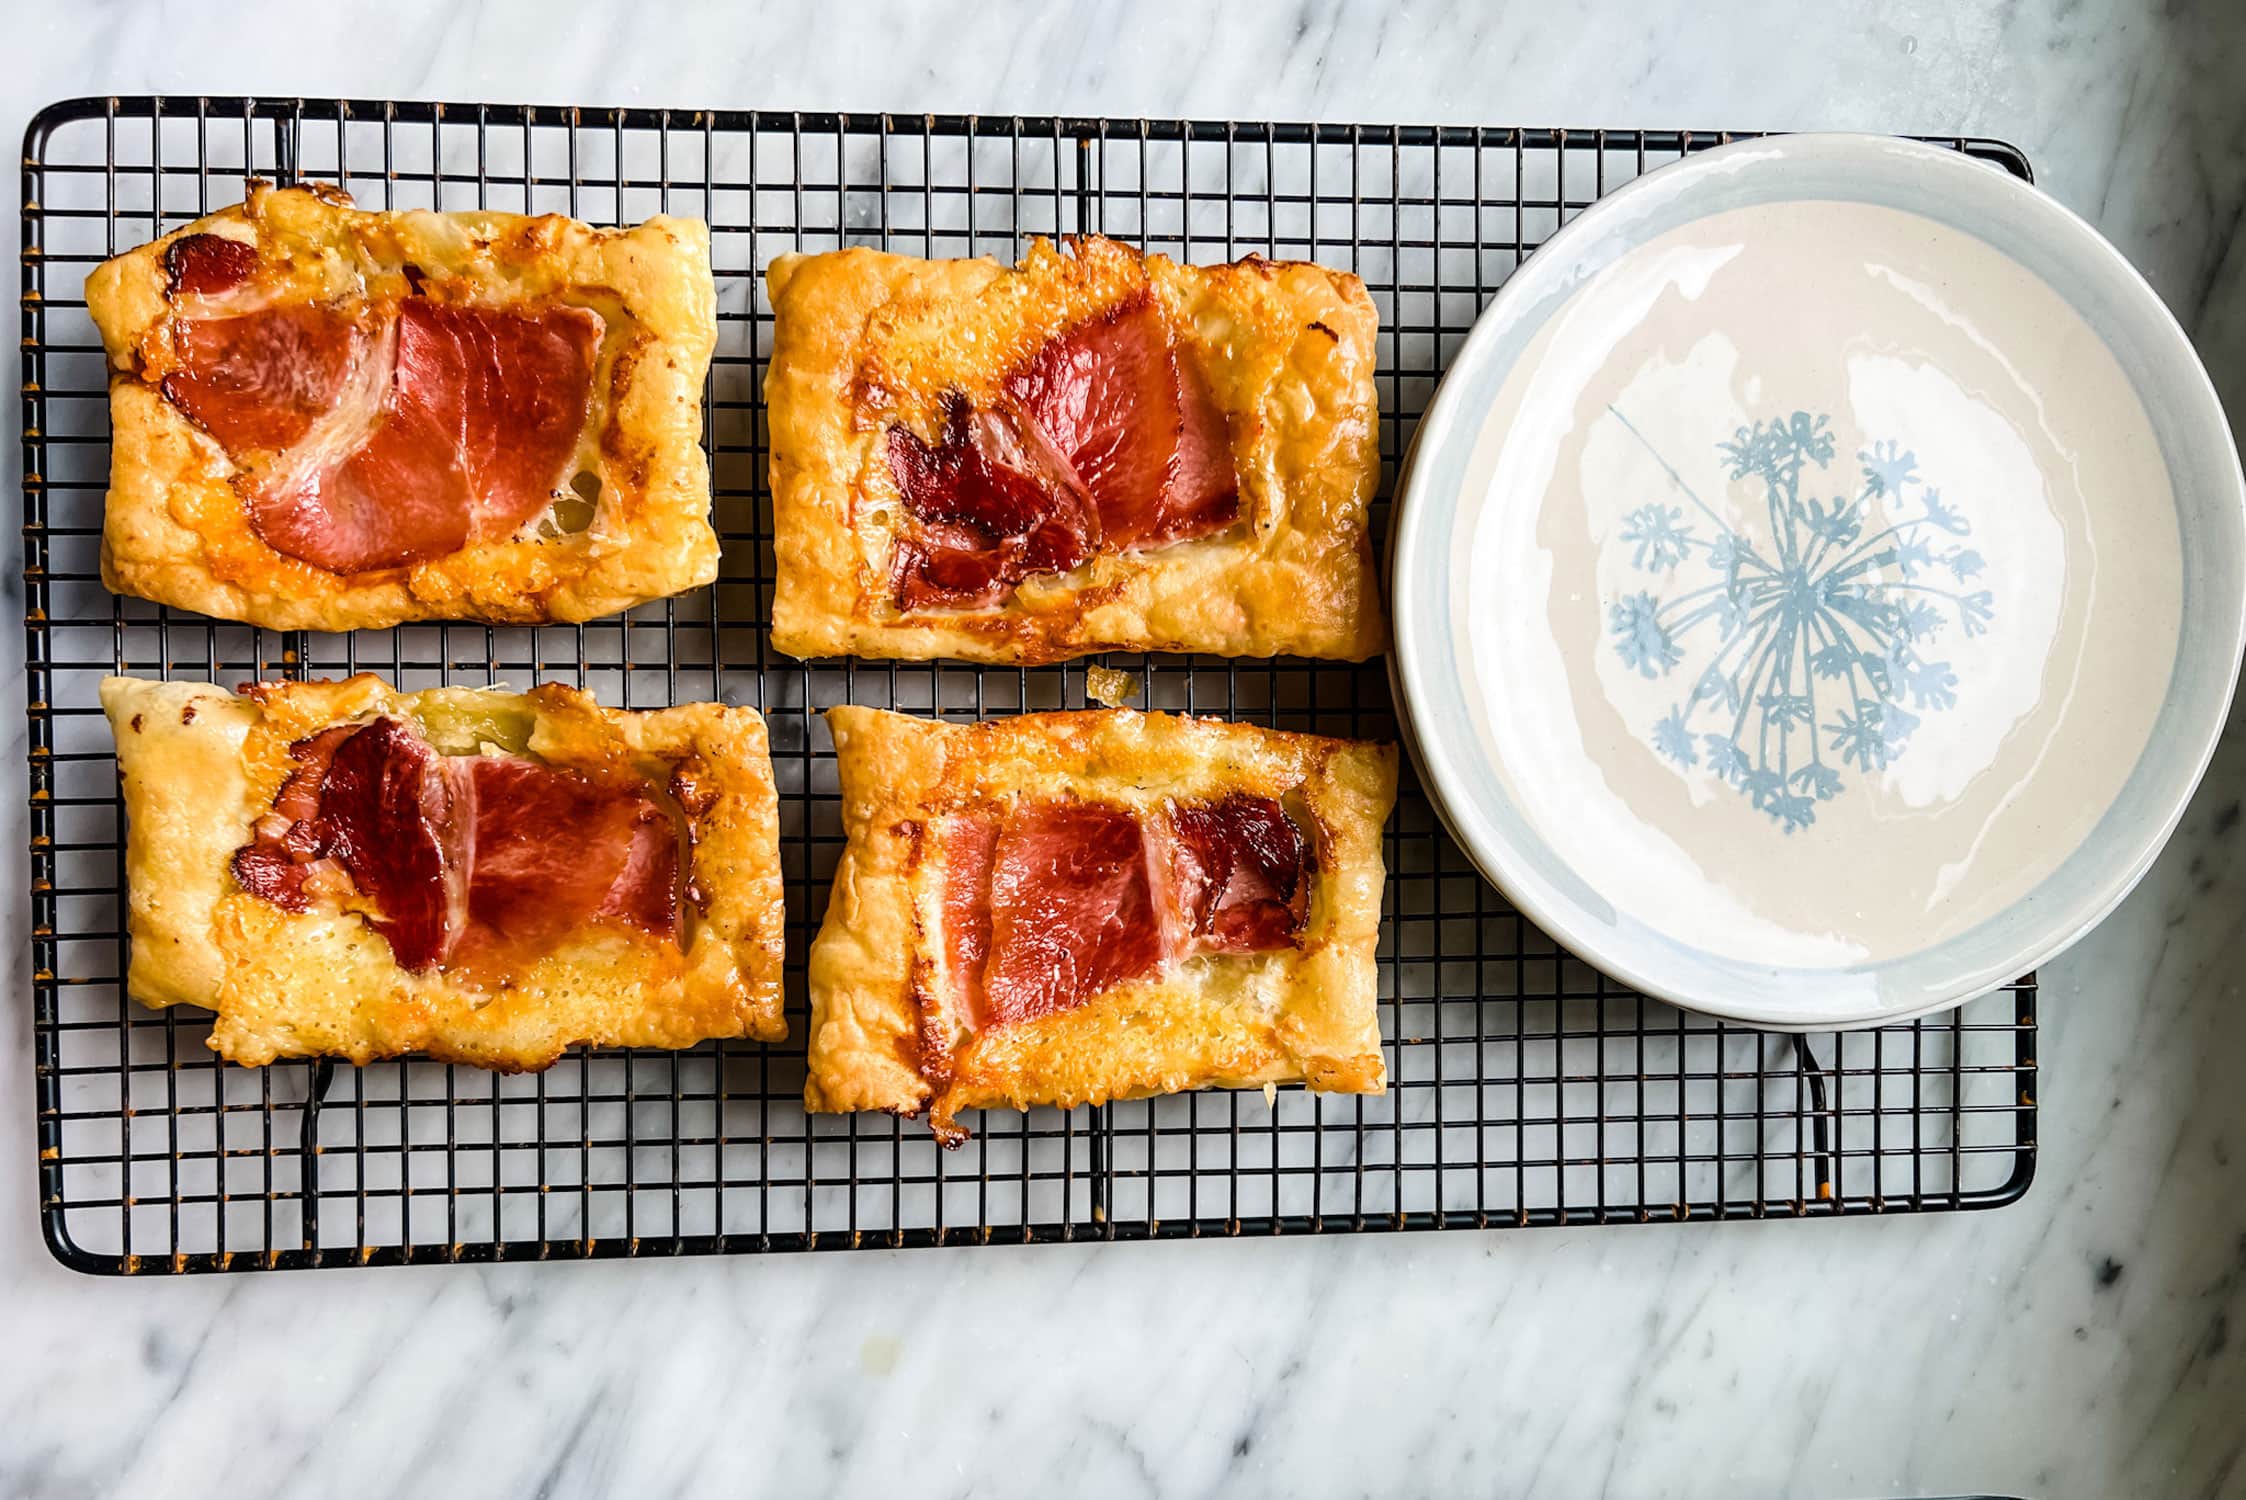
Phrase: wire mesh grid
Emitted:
{"points": [[1526, 1088]]}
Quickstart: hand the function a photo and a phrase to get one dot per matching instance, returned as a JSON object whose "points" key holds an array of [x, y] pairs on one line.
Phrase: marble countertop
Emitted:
{"points": [[2090, 1340]]}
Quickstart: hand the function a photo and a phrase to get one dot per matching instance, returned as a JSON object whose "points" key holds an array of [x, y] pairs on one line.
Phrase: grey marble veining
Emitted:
{"points": [[2090, 1341]]}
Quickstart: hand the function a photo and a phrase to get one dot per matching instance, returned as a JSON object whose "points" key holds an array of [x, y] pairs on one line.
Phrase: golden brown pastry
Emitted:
{"points": [[329, 419], [338, 868], [1069, 908], [1094, 450]]}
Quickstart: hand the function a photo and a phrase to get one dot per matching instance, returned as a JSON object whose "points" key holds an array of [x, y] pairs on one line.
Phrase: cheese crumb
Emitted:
{"points": [[1108, 686]]}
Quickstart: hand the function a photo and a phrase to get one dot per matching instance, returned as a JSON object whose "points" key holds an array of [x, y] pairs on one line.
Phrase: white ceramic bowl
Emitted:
{"points": [[1818, 581]]}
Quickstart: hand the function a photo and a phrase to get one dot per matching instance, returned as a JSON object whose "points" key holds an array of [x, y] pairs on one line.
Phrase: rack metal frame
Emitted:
{"points": [[1527, 1089]]}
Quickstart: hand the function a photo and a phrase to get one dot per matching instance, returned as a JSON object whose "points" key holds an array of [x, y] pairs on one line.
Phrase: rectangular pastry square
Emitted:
{"points": [[329, 419], [1093, 450], [488, 877], [1069, 908]]}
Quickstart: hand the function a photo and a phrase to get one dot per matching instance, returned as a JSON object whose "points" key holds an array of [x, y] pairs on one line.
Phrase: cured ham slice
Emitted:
{"points": [[1104, 439], [991, 509], [372, 804], [463, 857], [1053, 903], [284, 861], [209, 265], [489, 400], [1136, 425], [258, 381], [1070, 910], [385, 818], [472, 440], [553, 848], [378, 435], [1239, 870], [646, 891], [970, 843]]}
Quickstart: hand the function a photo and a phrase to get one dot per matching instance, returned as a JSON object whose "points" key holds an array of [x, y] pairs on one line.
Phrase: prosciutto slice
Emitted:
{"points": [[286, 862], [257, 382], [970, 845], [1239, 870], [991, 509], [1071, 912], [209, 265], [463, 858], [1105, 439], [554, 848], [1050, 904], [376, 435], [1136, 426]]}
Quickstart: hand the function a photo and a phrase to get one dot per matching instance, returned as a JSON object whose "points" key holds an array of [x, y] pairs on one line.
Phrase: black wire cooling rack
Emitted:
{"points": [[1527, 1089]]}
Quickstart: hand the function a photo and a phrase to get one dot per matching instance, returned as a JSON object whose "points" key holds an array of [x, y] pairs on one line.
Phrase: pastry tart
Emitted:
{"points": [[1069, 908], [1093, 450], [328, 419], [341, 869]]}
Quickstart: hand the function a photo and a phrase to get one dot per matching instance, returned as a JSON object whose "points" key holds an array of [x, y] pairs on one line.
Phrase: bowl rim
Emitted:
{"points": [[1411, 535]]}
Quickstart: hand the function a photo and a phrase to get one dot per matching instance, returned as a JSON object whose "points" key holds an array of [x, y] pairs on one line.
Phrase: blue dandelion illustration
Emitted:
{"points": [[1812, 656]]}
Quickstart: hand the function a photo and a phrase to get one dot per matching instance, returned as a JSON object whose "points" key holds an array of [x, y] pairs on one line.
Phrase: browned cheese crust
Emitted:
{"points": [[176, 530], [864, 339], [200, 765], [1305, 1014]]}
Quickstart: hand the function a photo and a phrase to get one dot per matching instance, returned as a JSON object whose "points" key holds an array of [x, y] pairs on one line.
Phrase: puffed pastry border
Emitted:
{"points": [[863, 338], [176, 531], [200, 765], [1307, 1014]]}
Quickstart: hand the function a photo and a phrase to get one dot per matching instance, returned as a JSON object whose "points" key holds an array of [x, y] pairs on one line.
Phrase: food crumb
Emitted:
{"points": [[1108, 686], [1271, 1096]]}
